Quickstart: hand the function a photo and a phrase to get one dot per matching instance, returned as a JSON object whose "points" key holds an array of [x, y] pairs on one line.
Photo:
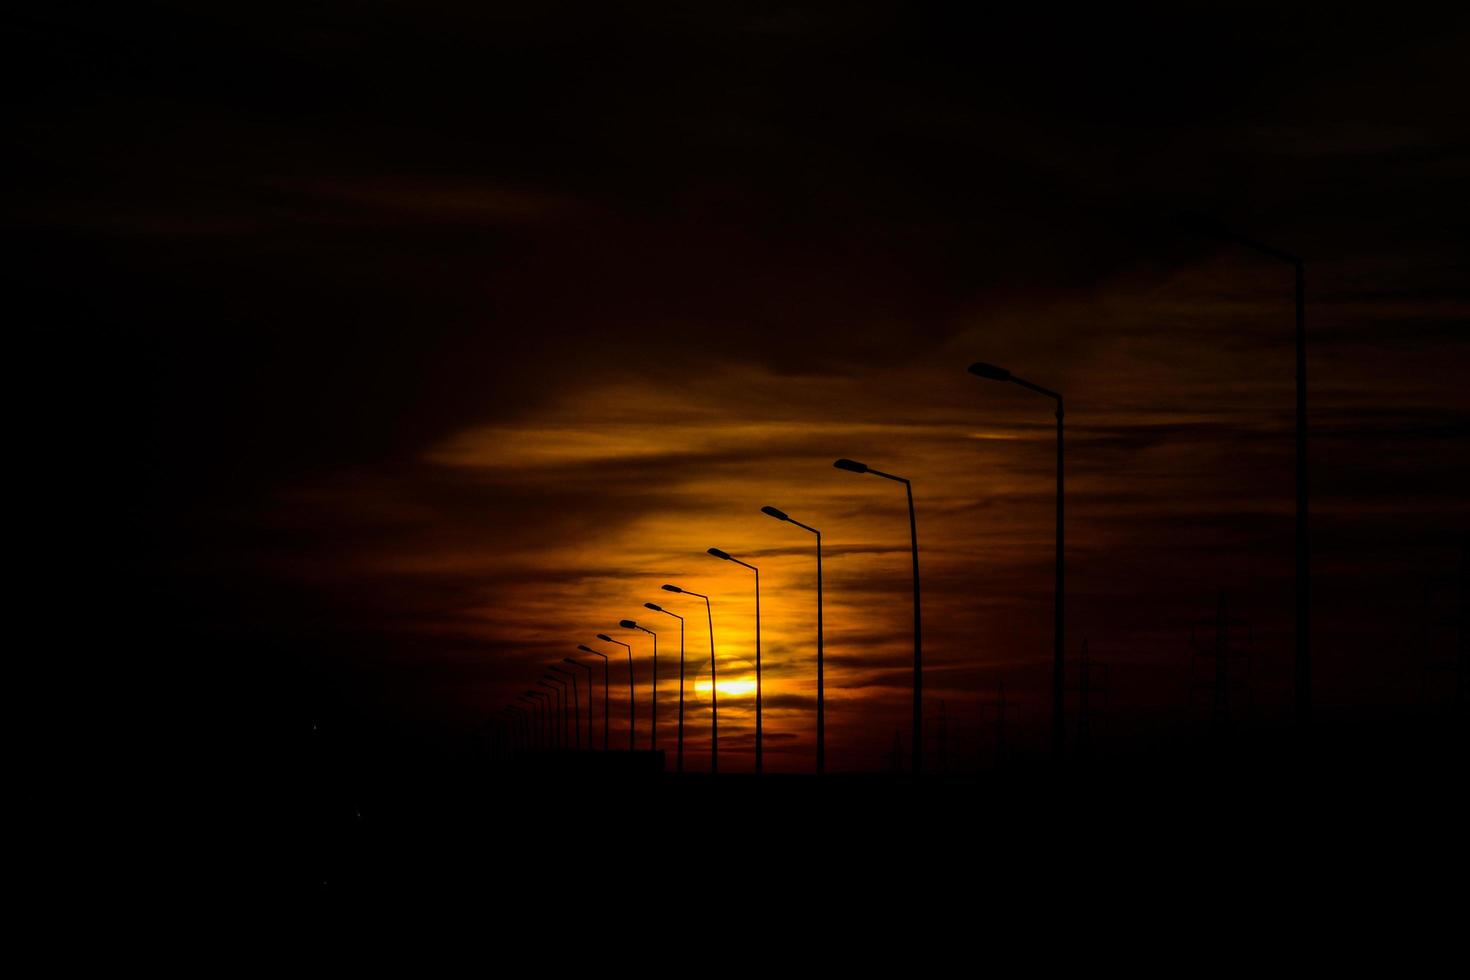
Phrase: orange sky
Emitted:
{"points": [[1179, 485]]}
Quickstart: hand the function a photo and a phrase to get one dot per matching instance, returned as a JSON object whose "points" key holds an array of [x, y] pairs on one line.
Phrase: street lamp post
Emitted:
{"points": [[533, 723], [821, 699], [1303, 668], [714, 700], [528, 723], [588, 669], [629, 624], [852, 466], [586, 649], [544, 699], [522, 733], [759, 740], [657, 608], [631, 724], [1058, 727], [560, 688], [576, 706]]}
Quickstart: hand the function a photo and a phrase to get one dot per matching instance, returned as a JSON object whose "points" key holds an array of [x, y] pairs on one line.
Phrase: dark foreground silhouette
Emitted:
{"points": [[1364, 804]]}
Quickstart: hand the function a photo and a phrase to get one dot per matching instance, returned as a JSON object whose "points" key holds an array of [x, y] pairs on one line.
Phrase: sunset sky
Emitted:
{"points": [[446, 333]]}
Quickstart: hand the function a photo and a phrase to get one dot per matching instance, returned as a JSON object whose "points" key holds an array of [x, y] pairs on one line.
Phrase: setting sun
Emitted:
{"points": [[737, 687]]}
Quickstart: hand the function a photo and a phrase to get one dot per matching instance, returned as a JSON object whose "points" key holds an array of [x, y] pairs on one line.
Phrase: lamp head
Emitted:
{"points": [[604, 638], [585, 648], [779, 515], [655, 607], [672, 588], [983, 370], [851, 465], [569, 660], [627, 624], [722, 555]]}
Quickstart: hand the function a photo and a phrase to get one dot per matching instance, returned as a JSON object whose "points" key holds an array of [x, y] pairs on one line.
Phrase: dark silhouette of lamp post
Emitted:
{"points": [[631, 724], [629, 624], [853, 466], [505, 732], [576, 706], [657, 608], [523, 720], [546, 701], [518, 716], [543, 699], [533, 735], [759, 741], [1212, 228], [588, 669], [781, 515], [539, 725], [518, 712], [714, 699], [586, 649], [1058, 727], [560, 688]]}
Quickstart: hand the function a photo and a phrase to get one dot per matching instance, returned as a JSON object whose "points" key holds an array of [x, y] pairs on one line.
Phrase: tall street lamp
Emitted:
{"points": [[576, 705], [544, 700], [628, 624], [518, 712], [1203, 225], [534, 722], [1058, 727], [759, 741], [657, 608], [560, 687], [714, 701], [588, 669], [821, 700], [607, 639], [853, 466], [586, 649]]}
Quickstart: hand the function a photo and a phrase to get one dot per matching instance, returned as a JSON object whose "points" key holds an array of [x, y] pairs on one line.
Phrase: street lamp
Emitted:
{"points": [[523, 726], [534, 722], [607, 639], [1209, 227], [714, 699], [628, 624], [586, 649], [781, 515], [657, 608], [528, 722], [759, 742], [588, 669], [853, 466], [1058, 728], [576, 705], [544, 700], [560, 687]]}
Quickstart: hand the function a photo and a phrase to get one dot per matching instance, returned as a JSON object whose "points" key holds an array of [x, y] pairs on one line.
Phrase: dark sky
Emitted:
{"points": [[432, 338]]}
